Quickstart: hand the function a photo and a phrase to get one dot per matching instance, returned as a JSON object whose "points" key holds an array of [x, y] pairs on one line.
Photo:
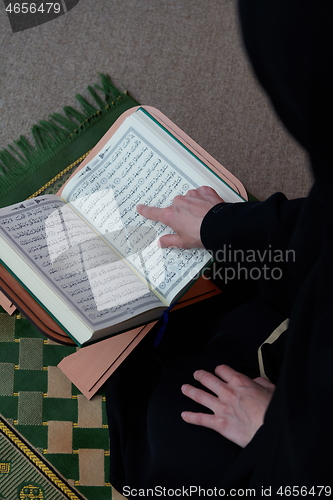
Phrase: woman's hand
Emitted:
{"points": [[238, 408], [184, 216]]}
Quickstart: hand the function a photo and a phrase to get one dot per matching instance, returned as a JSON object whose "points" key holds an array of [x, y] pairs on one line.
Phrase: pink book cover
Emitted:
{"points": [[91, 366], [7, 304]]}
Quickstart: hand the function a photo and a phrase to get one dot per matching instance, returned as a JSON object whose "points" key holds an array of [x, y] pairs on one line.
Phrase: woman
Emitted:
{"points": [[230, 428]]}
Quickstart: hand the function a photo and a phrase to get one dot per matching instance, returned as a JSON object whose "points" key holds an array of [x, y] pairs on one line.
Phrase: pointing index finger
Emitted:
{"points": [[153, 213]]}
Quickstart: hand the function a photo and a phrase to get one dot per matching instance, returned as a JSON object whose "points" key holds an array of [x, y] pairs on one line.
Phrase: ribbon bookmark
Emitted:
{"points": [[163, 326]]}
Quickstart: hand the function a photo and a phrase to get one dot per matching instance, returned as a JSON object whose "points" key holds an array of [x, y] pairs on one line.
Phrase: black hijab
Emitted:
{"points": [[290, 45]]}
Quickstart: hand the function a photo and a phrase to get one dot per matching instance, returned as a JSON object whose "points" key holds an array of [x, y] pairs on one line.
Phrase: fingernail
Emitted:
{"points": [[184, 387], [160, 244]]}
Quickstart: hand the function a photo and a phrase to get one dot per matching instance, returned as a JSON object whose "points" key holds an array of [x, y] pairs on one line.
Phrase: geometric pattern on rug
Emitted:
{"points": [[24, 474], [49, 412]]}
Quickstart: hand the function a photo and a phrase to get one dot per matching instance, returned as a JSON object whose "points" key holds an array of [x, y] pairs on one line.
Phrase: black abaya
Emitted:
{"points": [[289, 43]]}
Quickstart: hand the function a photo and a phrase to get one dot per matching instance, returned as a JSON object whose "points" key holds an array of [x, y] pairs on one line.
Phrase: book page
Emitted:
{"points": [[136, 166], [71, 259]]}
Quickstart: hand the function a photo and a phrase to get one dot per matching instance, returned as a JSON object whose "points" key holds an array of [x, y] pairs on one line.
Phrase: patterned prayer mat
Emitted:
{"points": [[60, 143], [55, 421], [25, 474], [62, 447]]}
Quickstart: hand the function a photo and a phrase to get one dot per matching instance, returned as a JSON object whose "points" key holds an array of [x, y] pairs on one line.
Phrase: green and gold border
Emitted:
{"points": [[38, 461]]}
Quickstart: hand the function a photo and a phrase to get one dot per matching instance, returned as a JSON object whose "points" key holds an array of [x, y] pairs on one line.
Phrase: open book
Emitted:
{"points": [[86, 255]]}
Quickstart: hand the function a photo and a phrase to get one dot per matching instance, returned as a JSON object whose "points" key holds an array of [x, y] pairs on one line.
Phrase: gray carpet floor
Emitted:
{"points": [[184, 57]]}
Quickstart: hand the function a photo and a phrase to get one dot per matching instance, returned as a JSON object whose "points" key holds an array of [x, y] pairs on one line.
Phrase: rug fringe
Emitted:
{"points": [[52, 135]]}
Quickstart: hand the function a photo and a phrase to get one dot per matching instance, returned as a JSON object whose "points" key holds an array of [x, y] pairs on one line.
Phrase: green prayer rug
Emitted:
{"points": [[60, 143], [54, 419], [24, 474], [54, 442]]}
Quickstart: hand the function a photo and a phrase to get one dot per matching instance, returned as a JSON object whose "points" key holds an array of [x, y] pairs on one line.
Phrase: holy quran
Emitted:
{"points": [[87, 256]]}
